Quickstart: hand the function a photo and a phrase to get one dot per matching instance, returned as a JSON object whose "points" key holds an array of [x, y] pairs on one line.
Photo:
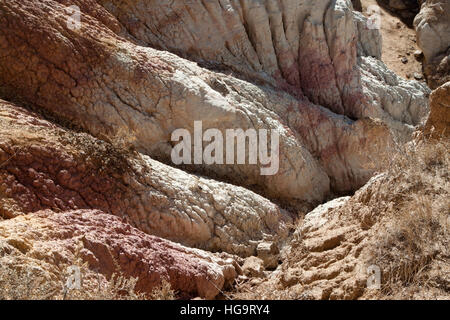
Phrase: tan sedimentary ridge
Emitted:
{"points": [[432, 26]]}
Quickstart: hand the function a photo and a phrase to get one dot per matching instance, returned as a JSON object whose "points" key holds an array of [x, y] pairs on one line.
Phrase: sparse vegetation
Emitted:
{"points": [[404, 221], [104, 156], [414, 248], [31, 282]]}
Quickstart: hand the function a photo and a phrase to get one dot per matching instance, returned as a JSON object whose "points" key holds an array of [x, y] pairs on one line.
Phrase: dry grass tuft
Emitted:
{"points": [[163, 292], [24, 281], [26, 284], [413, 247]]}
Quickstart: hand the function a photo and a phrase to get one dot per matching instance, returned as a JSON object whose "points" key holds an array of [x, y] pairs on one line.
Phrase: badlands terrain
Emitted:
{"points": [[92, 205]]}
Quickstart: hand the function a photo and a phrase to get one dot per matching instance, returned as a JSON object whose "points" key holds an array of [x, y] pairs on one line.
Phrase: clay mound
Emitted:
{"points": [[44, 166], [49, 241], [99, 174], [438, 123]]}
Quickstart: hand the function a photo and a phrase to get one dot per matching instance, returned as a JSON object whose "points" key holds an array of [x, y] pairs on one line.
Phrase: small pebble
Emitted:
{"points": [[418, 76], [404, 60], [418, 54]]}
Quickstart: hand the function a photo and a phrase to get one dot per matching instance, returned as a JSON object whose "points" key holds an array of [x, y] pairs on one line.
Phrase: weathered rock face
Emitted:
{"points": [[47, 167], [438, 123], [433, 36], [399, 222], [104, 82], [161, 94], [49, 241], [339, 241], [309, 70], [332, 256]]}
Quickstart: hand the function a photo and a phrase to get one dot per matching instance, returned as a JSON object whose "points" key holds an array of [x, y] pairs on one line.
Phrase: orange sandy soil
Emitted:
{"points": [[398, 41]]}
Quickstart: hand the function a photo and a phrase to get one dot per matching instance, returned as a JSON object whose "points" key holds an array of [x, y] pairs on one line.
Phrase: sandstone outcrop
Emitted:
{"points": [[438, 123], [398, 224], [432, 26], [46, 243], [303, 47], [44, 166], [102, 78]]}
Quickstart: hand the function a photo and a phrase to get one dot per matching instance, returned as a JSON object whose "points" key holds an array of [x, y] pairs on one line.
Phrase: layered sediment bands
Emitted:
{"points": [[303, 47], [105, 83], [99, 78], [44, 244], [290, 44], [432, 25], [46, 167], [134, 71]]}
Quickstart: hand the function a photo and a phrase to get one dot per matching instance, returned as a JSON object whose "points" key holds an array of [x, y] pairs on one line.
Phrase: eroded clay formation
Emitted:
{"points": [[47, 167], [432, 25], [45, 243], [137, 70], [103, 82]]}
